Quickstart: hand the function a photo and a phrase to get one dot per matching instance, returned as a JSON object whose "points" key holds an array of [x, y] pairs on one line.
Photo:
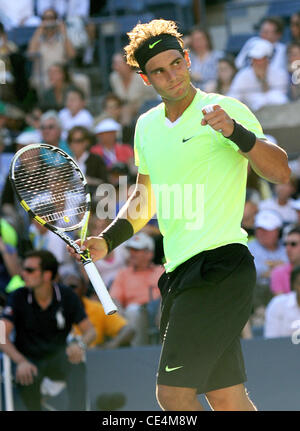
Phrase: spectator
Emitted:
{"points": [[135, 287], [108, 147], [52, 131], [296, 206], [226, 71], [266, 248], [268, 252], [112, 331], [129, 87], [111, 108], [18, 13], [60, 82], [283, 311], [65, 8], [49, 45], [282, 202], [80, 140], [75, 114], [271, 30], [204, 59], [7, 47], [261, 83], [5, 160], [33, 119], [9, 262], [41, 315], [295, 27], [280, 276], [294, 69]]}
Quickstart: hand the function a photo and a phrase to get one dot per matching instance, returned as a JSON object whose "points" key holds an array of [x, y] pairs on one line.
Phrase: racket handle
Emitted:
{"points": [[100, 289]]}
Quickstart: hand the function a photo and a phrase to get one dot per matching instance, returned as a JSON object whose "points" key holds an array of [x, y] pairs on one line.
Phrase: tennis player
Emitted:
{"points": [[203, 141]]}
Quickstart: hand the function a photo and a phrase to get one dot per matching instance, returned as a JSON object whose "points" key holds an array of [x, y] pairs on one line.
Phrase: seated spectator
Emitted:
{"points": [[9, 261], [268, 252], [135, 287], [5, 160], [250, 211], [271, 30], [107, 146], [282, 201], [293, 69], [295, 27], [283, 311], [261, 83], [18, 14], [111, 108], [75, 113], [49, 44], [296, 205], [51, 128], [204, 59], [226, 71], [7, 47], [80, 140], [33, 119], [280, 276], [41, 316], [129, 87], [60, 83], [112, 331]]}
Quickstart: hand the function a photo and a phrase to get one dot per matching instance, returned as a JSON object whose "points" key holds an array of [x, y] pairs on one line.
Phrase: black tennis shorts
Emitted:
{"points": [[206, 302]]}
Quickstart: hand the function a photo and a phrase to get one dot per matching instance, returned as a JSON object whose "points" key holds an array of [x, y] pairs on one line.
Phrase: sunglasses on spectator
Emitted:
{"points": [[48, 18], [29, 269], [77, 141], [51, 126], [291, 243]]}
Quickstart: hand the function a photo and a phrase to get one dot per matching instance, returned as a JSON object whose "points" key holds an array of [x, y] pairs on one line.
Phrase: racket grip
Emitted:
{"points": [[100, 288]]}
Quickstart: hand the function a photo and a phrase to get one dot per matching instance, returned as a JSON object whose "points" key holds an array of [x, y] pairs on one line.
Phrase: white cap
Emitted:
{"points": [[141, 241], [25, 138], [268, 220], [295, 203], [107, 125], [260, 49]]}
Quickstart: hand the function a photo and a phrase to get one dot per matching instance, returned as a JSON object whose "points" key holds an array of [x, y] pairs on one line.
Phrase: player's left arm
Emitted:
{"points": [[268, 160]]}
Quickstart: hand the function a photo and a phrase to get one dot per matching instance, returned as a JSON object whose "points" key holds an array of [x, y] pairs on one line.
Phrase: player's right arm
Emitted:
{"points": [[138, 210], [25, 370]]}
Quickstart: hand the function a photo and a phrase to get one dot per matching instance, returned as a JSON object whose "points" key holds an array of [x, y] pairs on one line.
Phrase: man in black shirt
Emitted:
{"points": [[42, 315]]}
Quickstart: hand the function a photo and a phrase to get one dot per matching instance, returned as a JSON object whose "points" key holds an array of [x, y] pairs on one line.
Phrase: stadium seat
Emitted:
{"points": [[120, 7], [21, 35], [283, 8], [236, 41]]}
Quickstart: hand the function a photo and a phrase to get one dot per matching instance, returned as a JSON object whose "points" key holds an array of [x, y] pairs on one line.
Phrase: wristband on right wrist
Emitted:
{"points": [[242, 137], [119, 231]]}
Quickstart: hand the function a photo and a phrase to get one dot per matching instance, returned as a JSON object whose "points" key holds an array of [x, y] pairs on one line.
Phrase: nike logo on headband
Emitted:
{"points": [[152, 45]]}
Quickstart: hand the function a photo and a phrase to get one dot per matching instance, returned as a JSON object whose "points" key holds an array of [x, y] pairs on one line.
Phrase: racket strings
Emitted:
{"points": [[51, 186]]}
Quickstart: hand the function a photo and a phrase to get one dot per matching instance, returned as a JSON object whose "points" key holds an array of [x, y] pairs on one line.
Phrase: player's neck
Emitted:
{"points": [[174, 109]]}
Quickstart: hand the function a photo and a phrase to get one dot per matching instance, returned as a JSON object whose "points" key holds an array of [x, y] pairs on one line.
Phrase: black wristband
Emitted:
{"points": [[242, 137], [118, 231]]}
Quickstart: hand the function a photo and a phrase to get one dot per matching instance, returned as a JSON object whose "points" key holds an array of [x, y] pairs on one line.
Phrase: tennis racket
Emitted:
{"points": [[52, 189]]}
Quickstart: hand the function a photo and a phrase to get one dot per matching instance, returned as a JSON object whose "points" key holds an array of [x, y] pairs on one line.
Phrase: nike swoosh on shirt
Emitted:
{"points": [[172, 369], [187, 139], [152, 45]]}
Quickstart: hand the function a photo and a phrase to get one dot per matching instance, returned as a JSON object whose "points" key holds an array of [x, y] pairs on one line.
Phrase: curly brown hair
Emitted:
{"points": [[141, 32]]}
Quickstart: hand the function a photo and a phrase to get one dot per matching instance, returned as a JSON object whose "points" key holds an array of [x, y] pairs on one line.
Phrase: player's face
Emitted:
{"points": [[168, 73]]}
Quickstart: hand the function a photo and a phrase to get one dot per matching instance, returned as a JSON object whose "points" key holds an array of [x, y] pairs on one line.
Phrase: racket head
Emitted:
{"points": [[50, 187]]}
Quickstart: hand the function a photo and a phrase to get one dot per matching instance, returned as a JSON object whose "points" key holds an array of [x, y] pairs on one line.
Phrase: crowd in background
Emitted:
{"points": [[46, 96]]}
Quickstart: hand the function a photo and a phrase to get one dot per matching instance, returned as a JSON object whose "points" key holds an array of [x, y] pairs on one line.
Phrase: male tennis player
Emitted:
{"points": [[209, 273]]}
